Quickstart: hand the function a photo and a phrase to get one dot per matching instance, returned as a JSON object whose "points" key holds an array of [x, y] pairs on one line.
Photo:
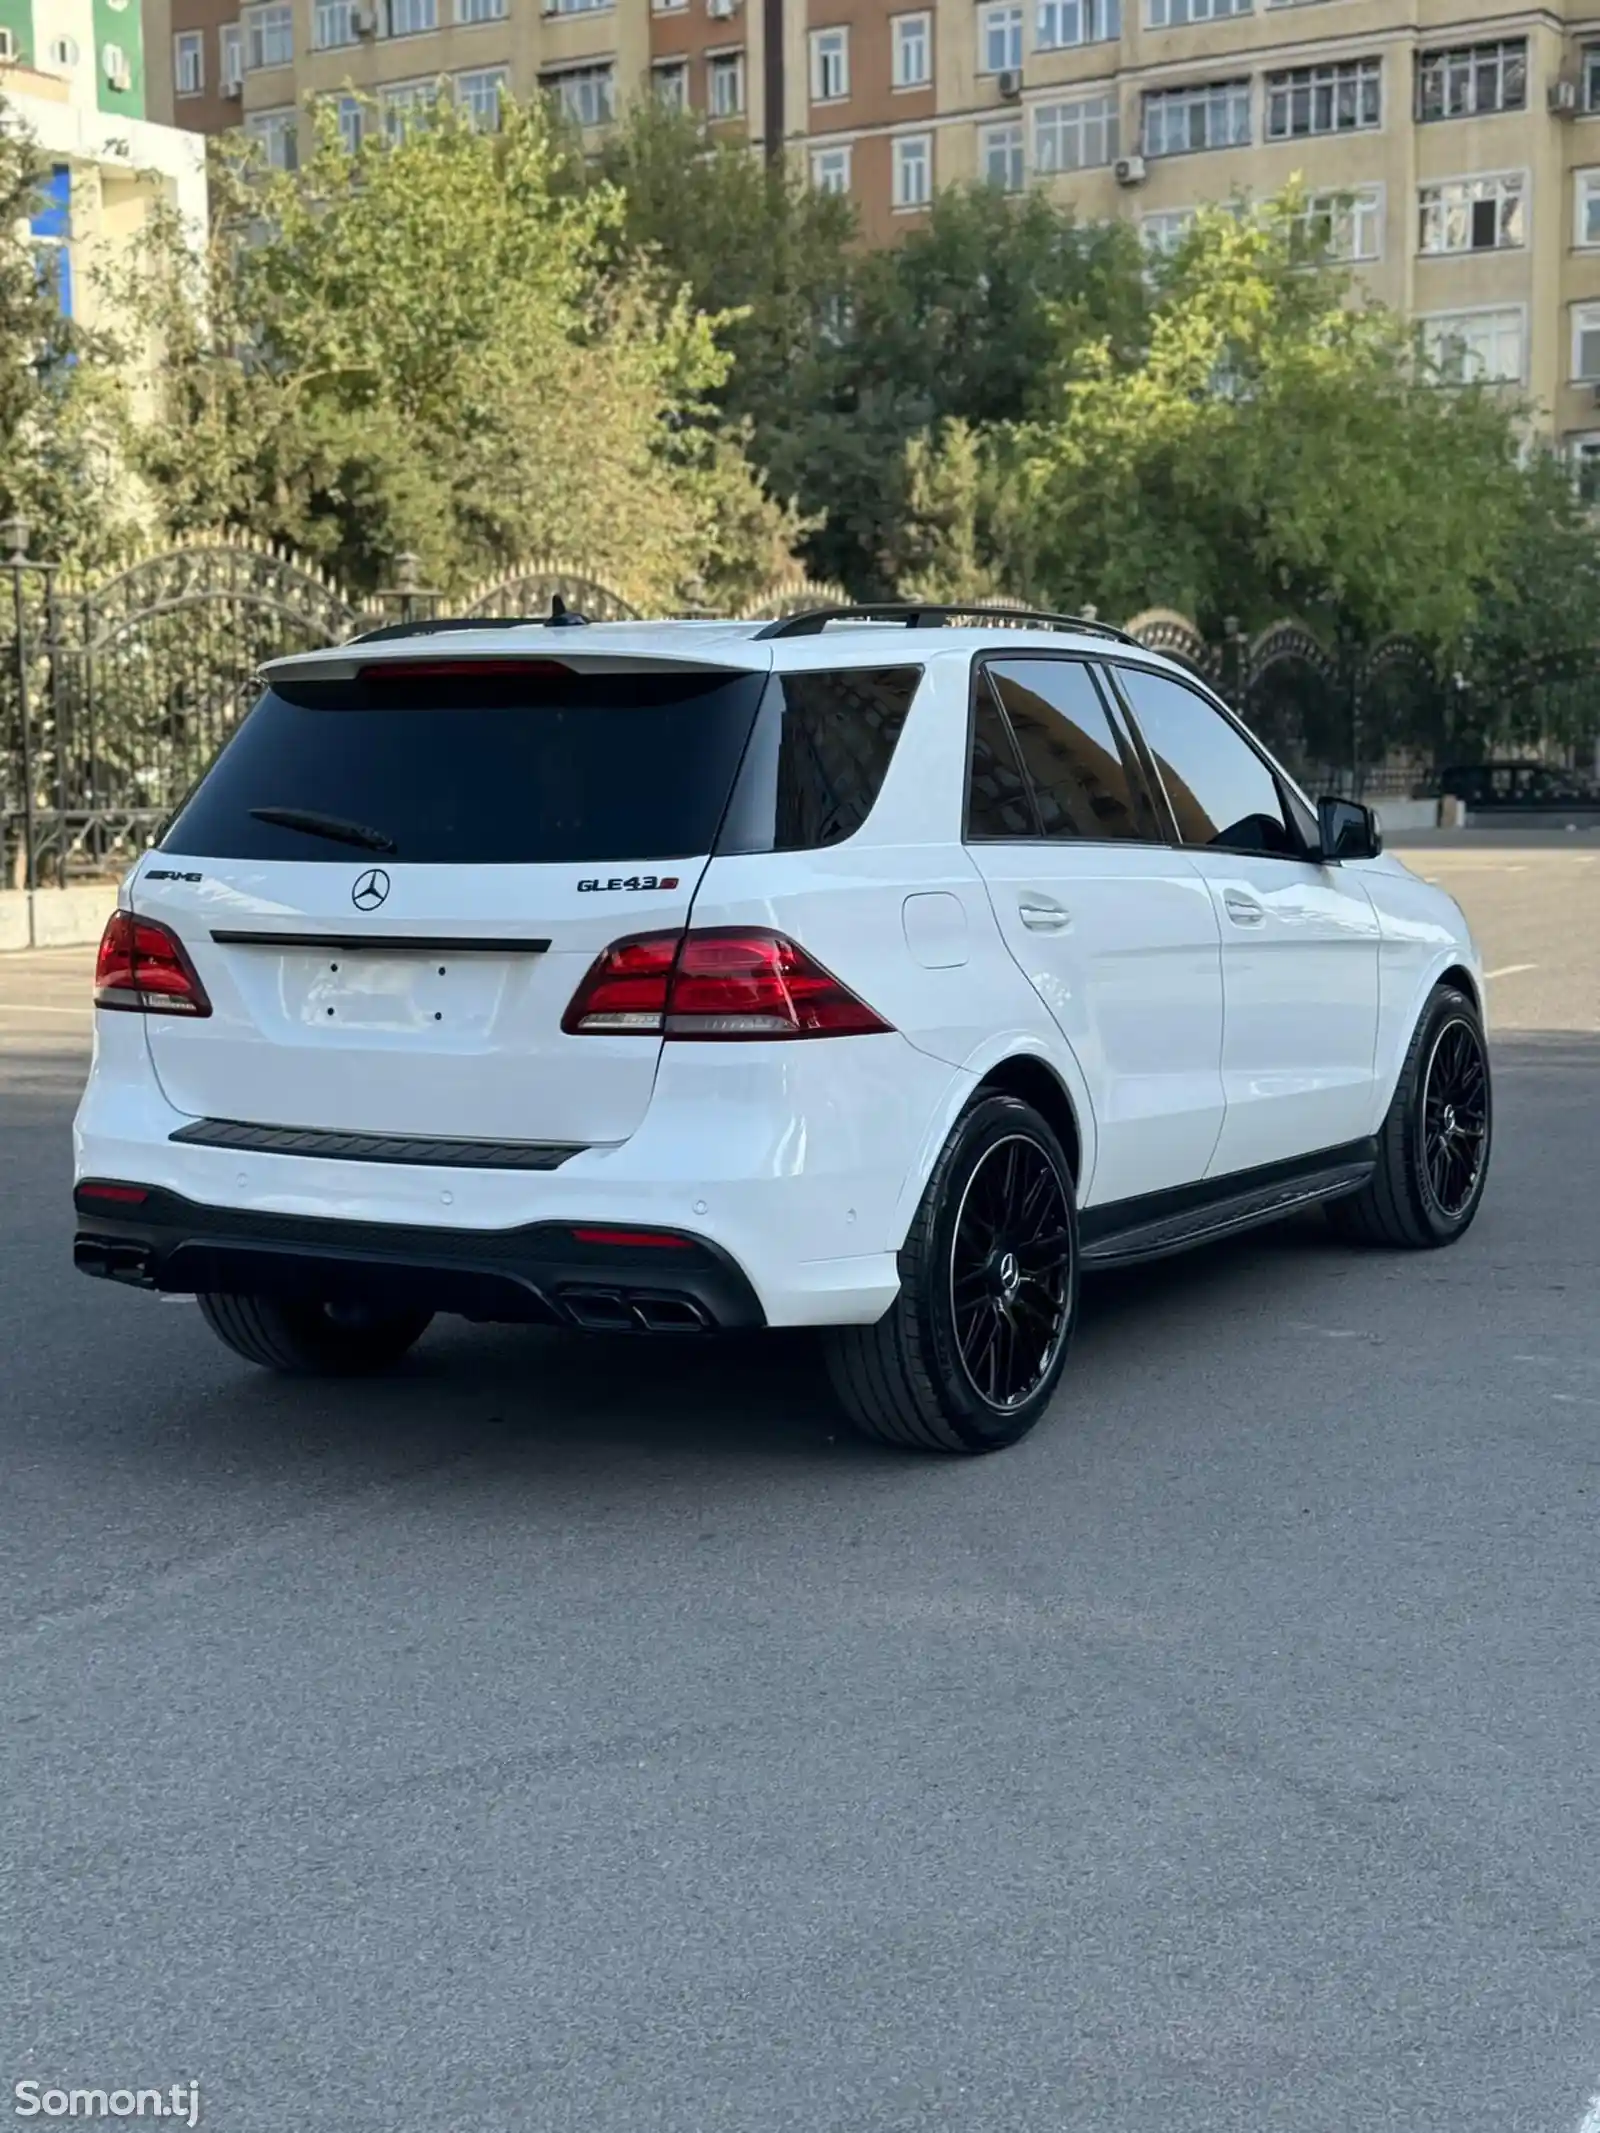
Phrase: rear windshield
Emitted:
{"points": [[513, 768]]}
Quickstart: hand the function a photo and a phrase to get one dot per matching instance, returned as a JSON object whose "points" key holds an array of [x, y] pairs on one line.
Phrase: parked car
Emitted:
{"points": [[1482, 786], [879, 971]]}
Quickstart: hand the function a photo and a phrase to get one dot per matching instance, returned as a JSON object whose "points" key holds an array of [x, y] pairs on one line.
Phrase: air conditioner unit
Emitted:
{"points": [[720, 10], [233, 91], [1563, 97], [119, 78], [1130, 170], [365, 20], [1010, 84]]}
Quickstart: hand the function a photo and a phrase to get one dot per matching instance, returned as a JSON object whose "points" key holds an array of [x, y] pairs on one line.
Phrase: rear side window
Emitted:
{"points": [[1082, 772], [818, 757], [998, 806], [526, 763]]}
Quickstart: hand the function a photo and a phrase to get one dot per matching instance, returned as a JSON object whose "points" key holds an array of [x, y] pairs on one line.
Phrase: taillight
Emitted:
{"points": [[718, 982], [144, 968]]}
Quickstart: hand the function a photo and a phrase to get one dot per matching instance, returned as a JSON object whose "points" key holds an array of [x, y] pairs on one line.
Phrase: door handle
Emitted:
{"points": [[1242, 909], [1044, 917]]}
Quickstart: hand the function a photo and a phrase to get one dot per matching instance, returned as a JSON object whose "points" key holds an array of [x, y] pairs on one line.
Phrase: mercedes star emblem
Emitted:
{"points": [[371, 889]]}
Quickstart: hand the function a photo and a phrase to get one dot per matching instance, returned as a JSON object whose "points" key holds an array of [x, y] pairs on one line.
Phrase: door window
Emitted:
{"points": [[998, 807], [1220, 790], [1082, 774]]}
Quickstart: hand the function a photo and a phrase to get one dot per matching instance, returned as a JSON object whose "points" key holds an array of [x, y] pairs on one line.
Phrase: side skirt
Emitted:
{"points": [[1158, 1223]]}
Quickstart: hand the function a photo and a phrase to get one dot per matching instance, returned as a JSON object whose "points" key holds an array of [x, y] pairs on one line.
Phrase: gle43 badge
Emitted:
{"points": [[595, 886]]}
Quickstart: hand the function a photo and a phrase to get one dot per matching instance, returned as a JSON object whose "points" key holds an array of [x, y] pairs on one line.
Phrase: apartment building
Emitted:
{"points": [[72, 76], [1451, 148]]}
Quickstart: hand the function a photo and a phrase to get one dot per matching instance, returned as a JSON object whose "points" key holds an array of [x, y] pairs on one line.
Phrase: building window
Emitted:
{"points": [[1173, 14], [586, 95], [1584, 455], [999, 39], [913, 170], [269, 37], [480, 93], [1586, 209], [1000, 156], [188, 63], [1471, 347], [1343, 98], [1591, 77], [407, 107], [333, 22], [913, 51], [668, 7], [576, 7], [830, 66], [669, 79], [1585, 343], [725, 84], [231, 53], [1181, 121], [1472, 214], [351, 122], [1342, 226], [830, 170], [1075, 136], [1068, 22], [1163, 231], [273, 133], [468, 11], [413, 18], [1471, 80]]}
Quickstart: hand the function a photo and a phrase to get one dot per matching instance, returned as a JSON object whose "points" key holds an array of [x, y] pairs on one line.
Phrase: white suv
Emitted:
{"points": [[875, 970]]}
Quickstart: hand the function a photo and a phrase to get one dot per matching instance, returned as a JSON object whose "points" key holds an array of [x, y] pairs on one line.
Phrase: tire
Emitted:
{"points": [[305, 1339], [926, 1376], [1433, 1145]]}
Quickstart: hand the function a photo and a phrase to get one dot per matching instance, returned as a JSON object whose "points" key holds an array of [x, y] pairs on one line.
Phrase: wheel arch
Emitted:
{"points": [[1015, 1064]]}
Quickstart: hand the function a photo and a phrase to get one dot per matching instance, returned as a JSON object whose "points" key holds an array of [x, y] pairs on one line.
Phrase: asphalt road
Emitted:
{"points": [[571, 1737]]}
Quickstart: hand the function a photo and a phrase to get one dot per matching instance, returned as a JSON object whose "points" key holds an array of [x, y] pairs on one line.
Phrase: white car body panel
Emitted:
{"points": [[1187, 1045]]}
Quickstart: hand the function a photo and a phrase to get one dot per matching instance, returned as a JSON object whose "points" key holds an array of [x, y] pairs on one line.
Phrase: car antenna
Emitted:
{"points": [[562, 617]]}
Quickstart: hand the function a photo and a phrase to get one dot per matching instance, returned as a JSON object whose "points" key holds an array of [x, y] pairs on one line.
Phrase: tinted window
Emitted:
{"points": [[542, 764], [998, 805], [1084, 781], [818, 757], [1222, 793]]}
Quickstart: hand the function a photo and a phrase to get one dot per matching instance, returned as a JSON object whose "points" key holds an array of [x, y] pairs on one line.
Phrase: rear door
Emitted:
{"points": [[1113, 927], [392, 883]]}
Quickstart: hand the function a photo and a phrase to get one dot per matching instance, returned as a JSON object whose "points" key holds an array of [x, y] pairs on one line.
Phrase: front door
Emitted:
{"points": [[1113, 928], [1299, 939]]}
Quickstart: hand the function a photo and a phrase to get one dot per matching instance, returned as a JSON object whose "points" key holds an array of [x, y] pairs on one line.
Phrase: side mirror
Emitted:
{"points": [[1347, 831]]}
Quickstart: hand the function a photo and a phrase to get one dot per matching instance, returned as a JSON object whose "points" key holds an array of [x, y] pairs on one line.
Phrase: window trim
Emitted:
{"points": [[815, 41], [1585, 175], [194, 40], [897, 142], [1424, 319], [1129, 745], [1283, 78], [896, 27], [1524, 180], [984, 72], [1575, 333], [1290, 796], [830, 148]]}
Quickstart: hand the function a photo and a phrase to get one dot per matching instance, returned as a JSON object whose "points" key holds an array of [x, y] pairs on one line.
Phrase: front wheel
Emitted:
{"points": [[305, 1339], [967, 1356], [1434, 1143]]}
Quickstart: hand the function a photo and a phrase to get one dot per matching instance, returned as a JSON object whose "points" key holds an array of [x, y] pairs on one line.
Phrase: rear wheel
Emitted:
{"points": [[1434, 1144], [967, 1356], [305, 1339]]}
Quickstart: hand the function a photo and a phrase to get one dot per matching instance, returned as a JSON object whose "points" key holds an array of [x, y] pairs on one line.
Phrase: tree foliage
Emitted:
{"points": [[436, 346]]}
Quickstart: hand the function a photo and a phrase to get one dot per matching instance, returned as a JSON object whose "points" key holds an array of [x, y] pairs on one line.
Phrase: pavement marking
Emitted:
{"points": [[25, 1007], [1577, 1399], [1328, 1333], [1510, 970]]}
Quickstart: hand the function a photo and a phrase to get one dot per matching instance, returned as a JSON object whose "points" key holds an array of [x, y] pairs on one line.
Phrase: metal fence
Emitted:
{"points": [[114, 695]]}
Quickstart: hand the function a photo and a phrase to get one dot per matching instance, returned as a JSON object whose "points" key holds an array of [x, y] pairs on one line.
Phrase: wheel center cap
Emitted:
{"points": [[1008, 1274], [1449, 1118]]}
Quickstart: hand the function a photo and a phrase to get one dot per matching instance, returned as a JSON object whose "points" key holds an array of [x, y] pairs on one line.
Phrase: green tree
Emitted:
{"points": [[948, 333], [60, 467], [436, 345], [1276, 445]]}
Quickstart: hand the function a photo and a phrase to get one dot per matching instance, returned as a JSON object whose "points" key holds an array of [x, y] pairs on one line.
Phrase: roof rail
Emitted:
{"points": [[560, 617], [922, 615]]}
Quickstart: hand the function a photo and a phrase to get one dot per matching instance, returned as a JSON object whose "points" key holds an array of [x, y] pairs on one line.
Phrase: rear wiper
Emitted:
{"points": [[331, 826]]}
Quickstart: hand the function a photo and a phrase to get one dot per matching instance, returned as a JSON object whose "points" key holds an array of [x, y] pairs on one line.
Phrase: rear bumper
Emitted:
{"points": [[541, 1273]]}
